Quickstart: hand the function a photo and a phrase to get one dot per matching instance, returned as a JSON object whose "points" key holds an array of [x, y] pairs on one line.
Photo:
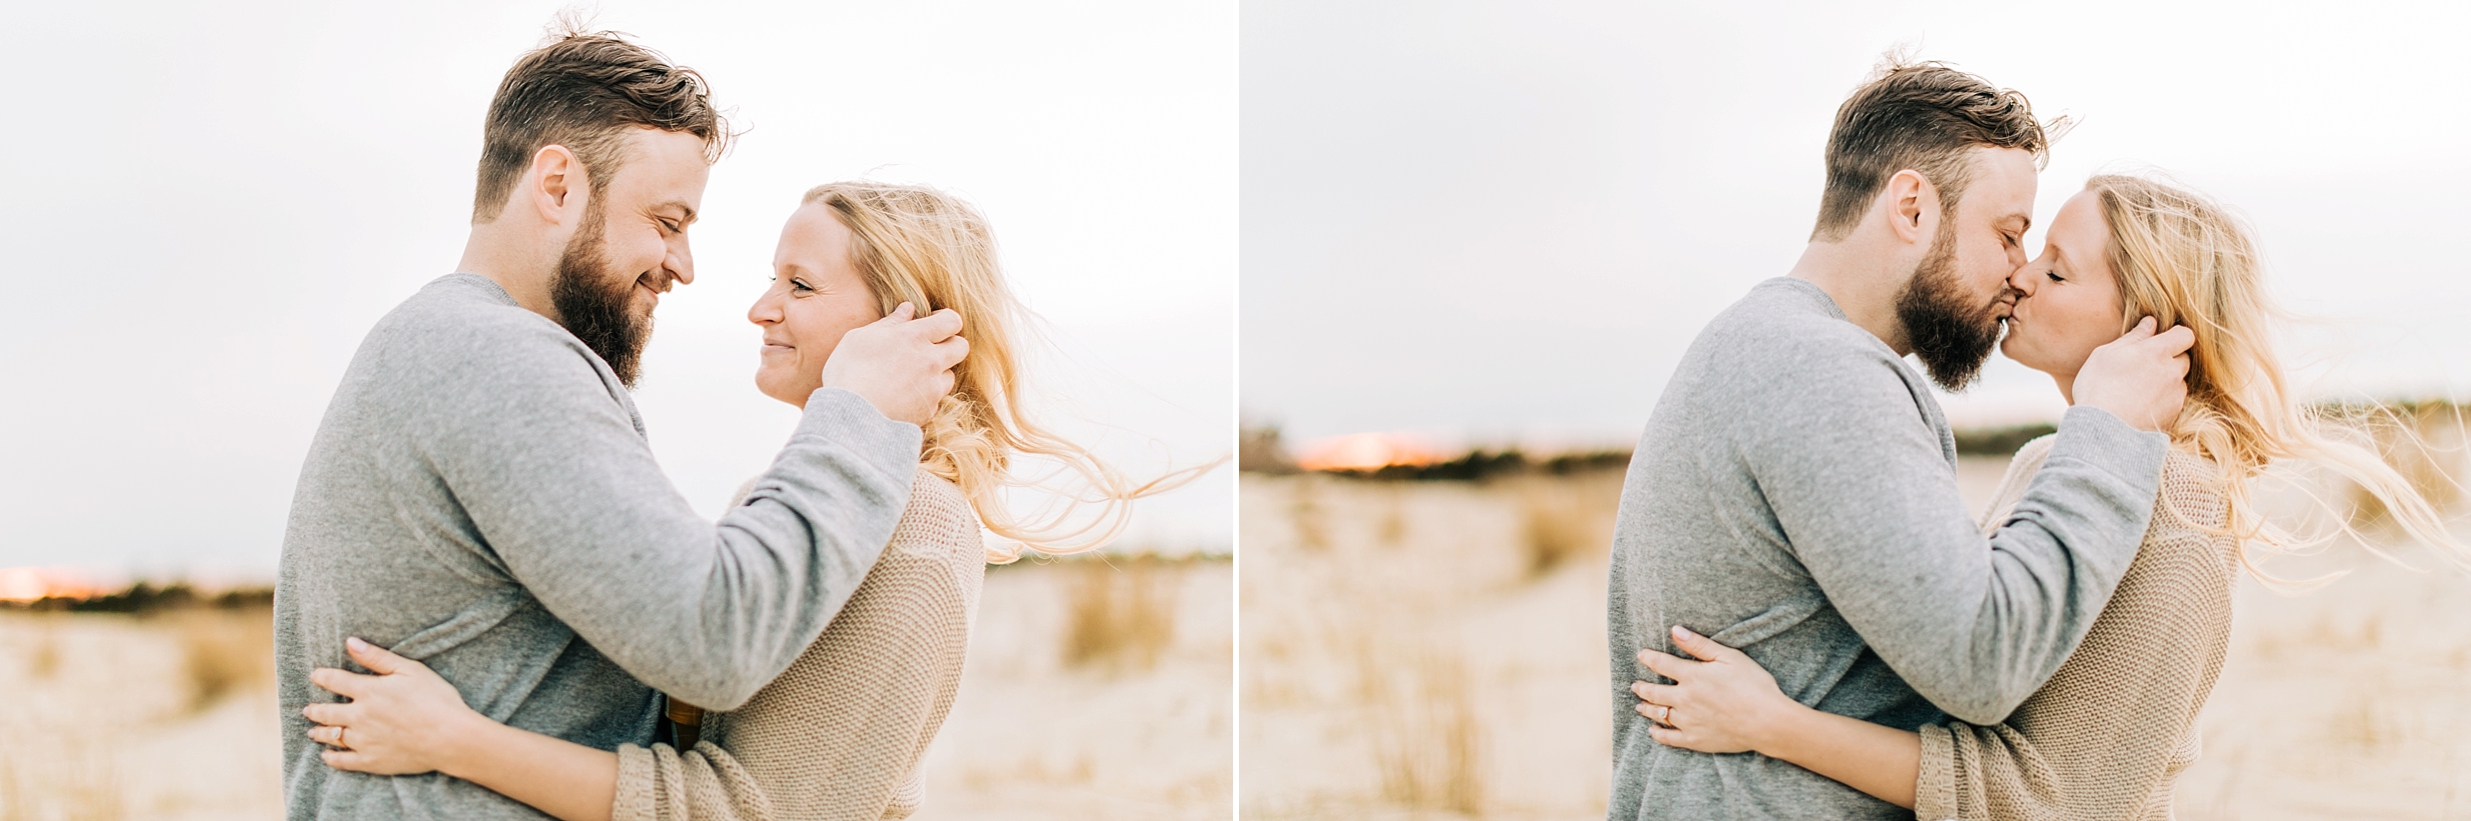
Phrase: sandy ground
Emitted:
{"points": [[1404, 658], [102, 716]]}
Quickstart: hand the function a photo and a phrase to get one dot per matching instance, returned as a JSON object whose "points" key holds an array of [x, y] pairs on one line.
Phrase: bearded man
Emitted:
{"points": [[1794, 494], [480, 495]]}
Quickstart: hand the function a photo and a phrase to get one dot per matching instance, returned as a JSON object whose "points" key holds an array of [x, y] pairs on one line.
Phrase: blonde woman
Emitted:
{"points": [[837, 735], [2106, 736]]}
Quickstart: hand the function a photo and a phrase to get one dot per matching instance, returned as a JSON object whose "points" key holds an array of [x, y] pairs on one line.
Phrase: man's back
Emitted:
{"points": [[379, 548], [1794, 491], [480, 497]]}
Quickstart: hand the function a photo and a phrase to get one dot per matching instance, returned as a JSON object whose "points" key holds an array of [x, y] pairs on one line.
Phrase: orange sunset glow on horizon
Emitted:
{"points": [[26, 584], [1366, 451]]}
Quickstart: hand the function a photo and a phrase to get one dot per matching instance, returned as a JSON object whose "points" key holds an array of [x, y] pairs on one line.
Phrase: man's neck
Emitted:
{"points": [[524, 275], [1863, 283]]}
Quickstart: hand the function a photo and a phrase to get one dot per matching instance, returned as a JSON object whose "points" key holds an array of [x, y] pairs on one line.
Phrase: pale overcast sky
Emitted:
{"points": [[211, 203], [1492, 222]]}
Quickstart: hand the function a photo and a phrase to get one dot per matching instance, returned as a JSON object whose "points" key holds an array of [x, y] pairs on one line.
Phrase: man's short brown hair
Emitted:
{"points": [[1923, 116], [583, 92]]}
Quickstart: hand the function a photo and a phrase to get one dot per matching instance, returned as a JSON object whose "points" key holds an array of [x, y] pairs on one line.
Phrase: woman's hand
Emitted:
{"points": [[1724, 704], [401, 721]]}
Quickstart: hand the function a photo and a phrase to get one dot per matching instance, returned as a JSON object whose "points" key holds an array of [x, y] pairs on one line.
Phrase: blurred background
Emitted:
{"points": [[212, 205], [1478, 236]]}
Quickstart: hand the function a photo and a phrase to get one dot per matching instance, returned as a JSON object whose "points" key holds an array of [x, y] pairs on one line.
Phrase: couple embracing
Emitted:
{"points": [[1804, 620], [493, 604]]}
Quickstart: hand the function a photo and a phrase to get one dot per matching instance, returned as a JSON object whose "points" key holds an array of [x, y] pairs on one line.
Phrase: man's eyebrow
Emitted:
{"points": [[2025, 219]]}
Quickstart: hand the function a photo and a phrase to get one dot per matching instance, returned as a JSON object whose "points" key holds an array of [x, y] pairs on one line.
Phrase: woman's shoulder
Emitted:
{"points": [[2191, 493], [938, 520], [2021, 467], [2031, 454]]}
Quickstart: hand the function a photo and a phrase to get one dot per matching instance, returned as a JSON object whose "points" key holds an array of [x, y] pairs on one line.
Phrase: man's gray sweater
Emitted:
{"points": [[480, 497], [1795, 496]]}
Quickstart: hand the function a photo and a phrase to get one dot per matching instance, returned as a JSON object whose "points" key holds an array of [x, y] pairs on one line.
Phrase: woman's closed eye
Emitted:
{"points": [[2054, 275], [797, 286]]}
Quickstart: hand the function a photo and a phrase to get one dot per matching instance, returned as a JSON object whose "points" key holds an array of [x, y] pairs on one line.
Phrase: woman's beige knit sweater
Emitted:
{"points": [[838, 735], [2105, 738]]}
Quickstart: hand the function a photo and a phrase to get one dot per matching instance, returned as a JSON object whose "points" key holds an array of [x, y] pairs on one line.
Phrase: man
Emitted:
{"points": [[480, 494], [1794, 494]]}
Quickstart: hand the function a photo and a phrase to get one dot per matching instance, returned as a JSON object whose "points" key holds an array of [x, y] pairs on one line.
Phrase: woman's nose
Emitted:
{"points": [[765, 311]]}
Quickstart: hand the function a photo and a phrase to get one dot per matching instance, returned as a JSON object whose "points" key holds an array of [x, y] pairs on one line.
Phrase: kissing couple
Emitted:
{"points": [[1804, 620], [493, 604]]}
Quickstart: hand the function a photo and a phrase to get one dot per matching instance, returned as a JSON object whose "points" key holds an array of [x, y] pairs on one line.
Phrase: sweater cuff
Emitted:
{"points": [[842, 417], [639, 785], [1934, 790], [2095, 437]]}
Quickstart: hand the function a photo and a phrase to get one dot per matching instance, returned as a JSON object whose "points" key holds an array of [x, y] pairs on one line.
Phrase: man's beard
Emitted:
{"points": [[1951, 336], [595, 309]]}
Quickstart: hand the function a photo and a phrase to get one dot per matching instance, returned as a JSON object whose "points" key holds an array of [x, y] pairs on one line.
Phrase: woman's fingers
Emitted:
{"points": [[331, 713], [1706, 649], [379, 659], [344, 683], [329, 736], [347, 760], [1652, 693], [1666, 664], [1673, 737]]}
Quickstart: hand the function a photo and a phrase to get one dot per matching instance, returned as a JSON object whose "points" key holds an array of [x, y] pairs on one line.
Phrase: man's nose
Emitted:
{"points": [[681, 263]]}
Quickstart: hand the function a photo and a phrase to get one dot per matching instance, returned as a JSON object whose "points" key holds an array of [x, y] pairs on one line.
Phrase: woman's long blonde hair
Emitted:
{"points": [[916, 244], [2184, 259]]}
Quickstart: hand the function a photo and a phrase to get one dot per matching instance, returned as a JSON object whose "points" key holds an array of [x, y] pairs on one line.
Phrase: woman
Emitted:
{"points": [[838, 735], [2106, 736]]}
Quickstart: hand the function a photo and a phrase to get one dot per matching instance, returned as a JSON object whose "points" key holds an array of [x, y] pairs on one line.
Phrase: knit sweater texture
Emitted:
{"points": [[838, 736], [2108, 735]]}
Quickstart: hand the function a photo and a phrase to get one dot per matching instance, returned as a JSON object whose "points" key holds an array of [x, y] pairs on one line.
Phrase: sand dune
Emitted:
{"points": [[1408, 654], [1068, 709]]}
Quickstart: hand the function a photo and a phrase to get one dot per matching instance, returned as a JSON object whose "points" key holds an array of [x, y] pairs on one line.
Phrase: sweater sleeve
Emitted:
{"points": [[658, 783], [2101, 741], [564, 491], [839, 734], [1862, 490]]}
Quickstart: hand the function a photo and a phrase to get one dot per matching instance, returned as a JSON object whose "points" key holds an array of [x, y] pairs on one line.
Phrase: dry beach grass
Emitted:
{"points": [[1069, 709], [1436, 650]]}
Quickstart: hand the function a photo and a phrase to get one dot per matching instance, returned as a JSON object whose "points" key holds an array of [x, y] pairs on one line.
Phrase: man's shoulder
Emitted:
{"points": [[464, 325], [1789, 334], [467, 307]]}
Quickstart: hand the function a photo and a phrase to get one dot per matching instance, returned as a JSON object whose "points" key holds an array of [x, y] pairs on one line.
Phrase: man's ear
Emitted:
{"points": [[1912, 206], [551, 183]]}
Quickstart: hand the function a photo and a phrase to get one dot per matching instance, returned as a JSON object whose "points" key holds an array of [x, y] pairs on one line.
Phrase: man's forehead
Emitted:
{"points": [[665, 166], [2004, 179], [2012, 165]]}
